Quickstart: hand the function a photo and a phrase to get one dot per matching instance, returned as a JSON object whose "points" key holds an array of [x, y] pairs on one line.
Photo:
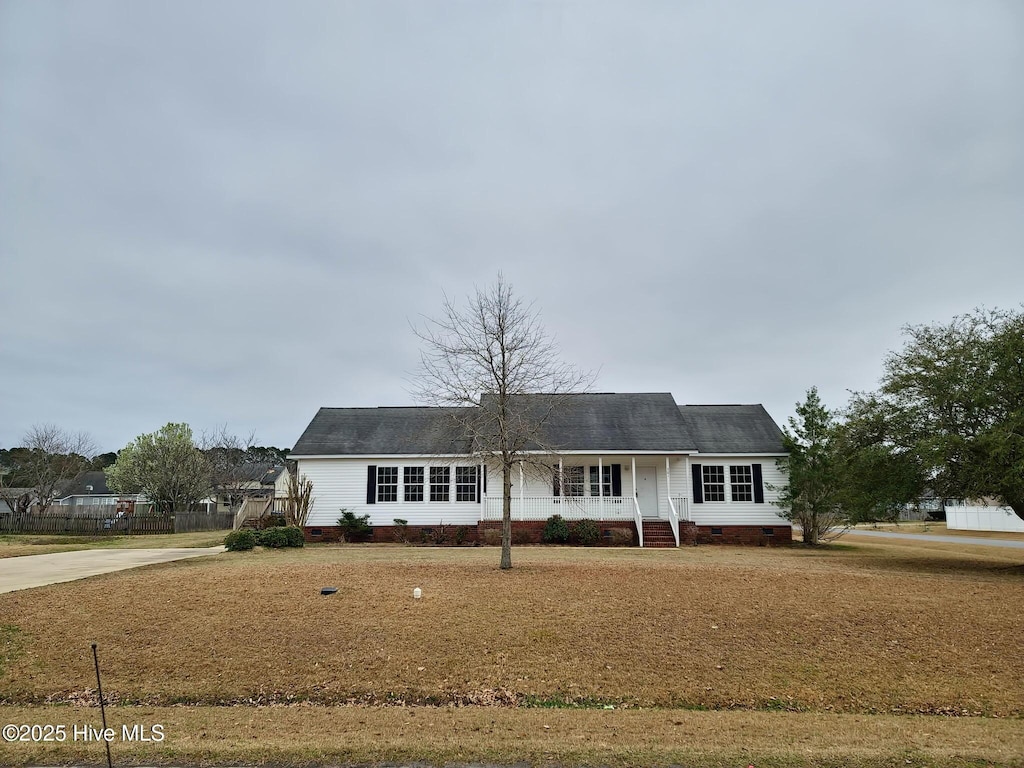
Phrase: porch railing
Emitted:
{"points": [[569, 507], [673, 520], [682, 507], [638, 519]]}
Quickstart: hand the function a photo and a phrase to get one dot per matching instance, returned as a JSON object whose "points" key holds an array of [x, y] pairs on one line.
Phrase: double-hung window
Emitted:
{"points": [[569, 482], [465, 483], [604, 488], [413, 483], [714, 482], [741, 483], [387, 484], [440, 483]]}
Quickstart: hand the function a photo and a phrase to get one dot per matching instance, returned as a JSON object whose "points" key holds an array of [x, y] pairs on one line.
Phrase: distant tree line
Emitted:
{"points": [[169, 466]]}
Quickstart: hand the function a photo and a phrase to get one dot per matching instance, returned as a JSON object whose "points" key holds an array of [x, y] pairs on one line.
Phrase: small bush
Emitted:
{"points": [[460, 535], [556, 531], [492, 537], [273, 521], [584, 532], [240, 540], [401, 530], [520, 536], [354, 528], [279, 536], [622, 537]]}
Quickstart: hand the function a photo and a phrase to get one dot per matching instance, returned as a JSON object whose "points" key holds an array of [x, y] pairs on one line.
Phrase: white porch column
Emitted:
{"points": [[668, 480], [632, 464], [600, 484], [521, 504]]}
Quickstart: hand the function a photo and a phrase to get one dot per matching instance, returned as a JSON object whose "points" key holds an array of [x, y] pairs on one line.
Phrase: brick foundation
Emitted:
{"points": [[530, 531], [741, 535]]}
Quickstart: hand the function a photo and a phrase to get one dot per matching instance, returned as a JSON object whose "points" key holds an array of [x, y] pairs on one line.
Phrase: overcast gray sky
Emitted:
{"points": [[229, 213]]}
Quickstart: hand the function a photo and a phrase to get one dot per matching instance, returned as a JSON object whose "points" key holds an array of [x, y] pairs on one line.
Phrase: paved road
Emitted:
{"points": [[938, 537], [38, 570]]}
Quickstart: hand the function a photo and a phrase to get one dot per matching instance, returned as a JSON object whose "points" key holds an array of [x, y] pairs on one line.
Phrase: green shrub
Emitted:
{"points": [[273, 521], [354, 528], [584, 532], [240, 540], [556, 531], [279, 536], [460, 535]]}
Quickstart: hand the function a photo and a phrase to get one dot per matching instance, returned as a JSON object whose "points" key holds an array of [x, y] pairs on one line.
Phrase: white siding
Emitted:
{"points": [[341, 483], [978, 518], [735, 512]]}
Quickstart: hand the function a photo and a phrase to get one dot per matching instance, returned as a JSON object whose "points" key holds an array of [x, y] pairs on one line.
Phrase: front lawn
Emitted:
{"points": [[869, 630]]}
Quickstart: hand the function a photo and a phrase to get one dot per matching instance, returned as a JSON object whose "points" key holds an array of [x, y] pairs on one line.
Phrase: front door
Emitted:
{"points": [[647, 490]]}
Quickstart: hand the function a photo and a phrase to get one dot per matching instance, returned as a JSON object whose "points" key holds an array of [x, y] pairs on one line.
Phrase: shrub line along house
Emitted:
{"points": [[636, 462]]}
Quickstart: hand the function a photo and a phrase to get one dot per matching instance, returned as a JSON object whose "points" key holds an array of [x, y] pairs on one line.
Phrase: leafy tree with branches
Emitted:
{"points": [[490, 355], [166, 466], [954, 397], [812, 496]]}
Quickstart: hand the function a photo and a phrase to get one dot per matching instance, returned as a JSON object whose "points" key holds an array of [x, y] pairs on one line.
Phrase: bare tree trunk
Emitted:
{"points": [[506, 516]]}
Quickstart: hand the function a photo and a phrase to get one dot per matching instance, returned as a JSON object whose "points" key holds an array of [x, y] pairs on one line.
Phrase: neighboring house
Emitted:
{"points": [[89, 489], [259, 480], [639, 462]]}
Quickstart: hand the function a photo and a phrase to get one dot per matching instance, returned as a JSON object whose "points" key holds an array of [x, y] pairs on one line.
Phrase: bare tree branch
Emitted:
{"points": [[493, 365]]}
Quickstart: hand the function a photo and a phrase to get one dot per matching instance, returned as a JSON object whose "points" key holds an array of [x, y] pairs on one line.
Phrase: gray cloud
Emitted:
{"points": [[231, 212]]}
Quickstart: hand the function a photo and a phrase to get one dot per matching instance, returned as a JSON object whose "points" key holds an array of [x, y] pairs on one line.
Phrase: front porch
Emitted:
{"points": [[669, 510]]}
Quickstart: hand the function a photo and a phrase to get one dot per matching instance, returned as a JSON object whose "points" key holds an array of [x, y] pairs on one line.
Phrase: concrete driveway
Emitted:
{"points": [[39, 570]]}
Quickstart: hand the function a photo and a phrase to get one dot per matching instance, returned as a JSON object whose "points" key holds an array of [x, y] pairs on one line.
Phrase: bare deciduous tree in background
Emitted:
{"points": [[480, 361], [51, 457], [299, 500]]}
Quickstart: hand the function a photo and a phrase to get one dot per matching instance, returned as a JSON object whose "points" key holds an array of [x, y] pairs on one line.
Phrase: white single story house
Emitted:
{"points": [[640, 462]]}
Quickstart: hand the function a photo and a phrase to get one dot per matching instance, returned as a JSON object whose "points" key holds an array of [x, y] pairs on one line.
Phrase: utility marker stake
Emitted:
{"points": [[103, 710]]}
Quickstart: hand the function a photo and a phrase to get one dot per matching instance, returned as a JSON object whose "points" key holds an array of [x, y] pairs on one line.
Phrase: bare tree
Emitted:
{"points": [[481, 362], [299, 500], [230, 464], [49, 460]]}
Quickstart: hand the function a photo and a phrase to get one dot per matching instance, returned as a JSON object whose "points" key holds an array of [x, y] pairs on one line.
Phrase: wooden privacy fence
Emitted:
{"points": [[189, 522], [114, 525]]}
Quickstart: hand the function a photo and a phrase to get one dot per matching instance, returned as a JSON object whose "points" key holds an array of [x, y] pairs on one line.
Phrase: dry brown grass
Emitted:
{"points": [[303, 736], [20, 545], [880, 627]]}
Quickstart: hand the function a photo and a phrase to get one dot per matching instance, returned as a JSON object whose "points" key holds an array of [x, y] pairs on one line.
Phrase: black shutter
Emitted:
{"points": [[371, 484], [698, 484], [616, 479], [755, 470], [556, 486], [485, 478], [479, 484]]}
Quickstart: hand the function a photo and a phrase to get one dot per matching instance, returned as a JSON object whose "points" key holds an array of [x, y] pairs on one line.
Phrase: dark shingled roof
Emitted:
{"points": [[582, 422], [732, 429], [379, 431], [611, 421], [80, 485]]}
